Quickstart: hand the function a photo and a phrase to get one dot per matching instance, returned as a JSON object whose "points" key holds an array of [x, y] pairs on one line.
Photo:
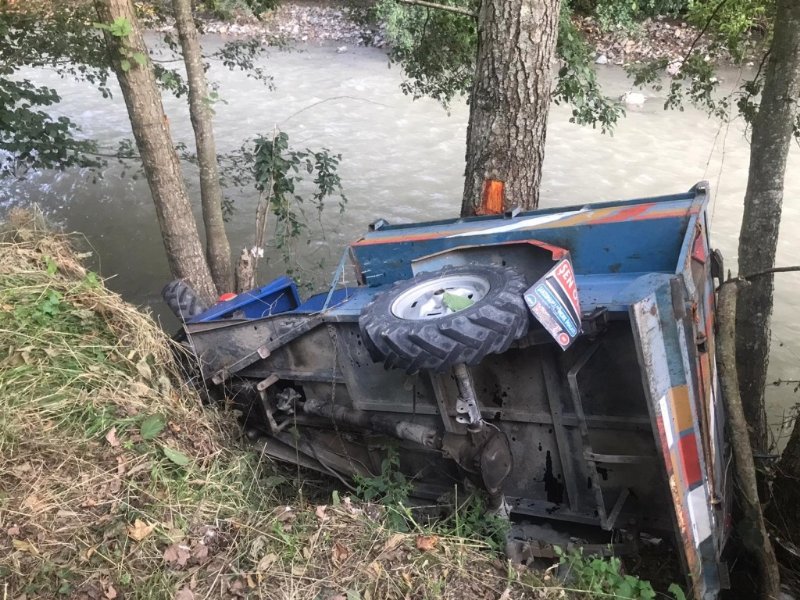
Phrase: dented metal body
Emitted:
{"points": [[622, 431]]}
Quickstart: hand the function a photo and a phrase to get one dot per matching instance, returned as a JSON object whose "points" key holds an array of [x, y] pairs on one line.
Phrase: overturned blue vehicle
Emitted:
{"points": [[560, 360]]}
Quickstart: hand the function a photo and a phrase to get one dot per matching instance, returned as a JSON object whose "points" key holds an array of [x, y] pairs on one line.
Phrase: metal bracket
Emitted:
{"points": [[378, 224], [469, 413]]}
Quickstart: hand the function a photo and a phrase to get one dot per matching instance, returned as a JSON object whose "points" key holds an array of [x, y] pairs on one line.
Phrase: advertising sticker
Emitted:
{"points": [[553, 300]]}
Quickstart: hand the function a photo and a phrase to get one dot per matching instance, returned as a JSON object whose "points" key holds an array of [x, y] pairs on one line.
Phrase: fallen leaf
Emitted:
{"points": [[143, 466], [21, 470], [184, 594], [144, 369], [140, 530], [111, 593], [13, 531], [339, 553], [257, 547], [24, 546], [34, 503], [111, 437], [427, 542], [506, 594], [286, 514], [393, 542], [177, 555], [375, 568], [236, 588], [298, 570], [140, 389], [320, 512], [266, 562], [199, 553]]}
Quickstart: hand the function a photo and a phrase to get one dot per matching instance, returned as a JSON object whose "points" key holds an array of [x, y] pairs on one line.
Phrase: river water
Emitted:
{"points": [[403, 160]]}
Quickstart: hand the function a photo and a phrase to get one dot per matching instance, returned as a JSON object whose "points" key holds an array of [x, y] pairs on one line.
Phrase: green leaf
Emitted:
{"points": [[624, 590], [140, 58], [121, 27], [125, 64], [455, 302], [179, 458], [676, 591], [152, 426], [335, 498]]}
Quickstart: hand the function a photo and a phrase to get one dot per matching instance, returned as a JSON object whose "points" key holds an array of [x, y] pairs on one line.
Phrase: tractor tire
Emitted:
{"points": [[409, 327], [182, 300]]}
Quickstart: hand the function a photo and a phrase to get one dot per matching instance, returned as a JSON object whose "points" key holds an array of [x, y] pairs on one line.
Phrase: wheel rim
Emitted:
{"points": [[427, 300]]}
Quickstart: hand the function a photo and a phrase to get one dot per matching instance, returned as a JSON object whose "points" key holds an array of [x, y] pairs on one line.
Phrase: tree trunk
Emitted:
{"points": [[510, 99], [753, 530], [758, 238], [785, 505], [218, 250], [153, 139]]}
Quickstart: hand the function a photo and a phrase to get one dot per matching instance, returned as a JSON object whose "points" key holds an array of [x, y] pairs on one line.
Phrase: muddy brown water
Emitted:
{"points": [[403, 160]]}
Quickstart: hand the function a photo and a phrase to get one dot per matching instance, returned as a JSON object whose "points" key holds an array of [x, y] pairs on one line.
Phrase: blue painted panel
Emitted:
{"points": [[315, 303], [279, 295], [621, 247]]}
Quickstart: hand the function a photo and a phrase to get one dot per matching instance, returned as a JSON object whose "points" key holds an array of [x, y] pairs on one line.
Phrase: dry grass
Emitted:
{"points": [[116, 483]]}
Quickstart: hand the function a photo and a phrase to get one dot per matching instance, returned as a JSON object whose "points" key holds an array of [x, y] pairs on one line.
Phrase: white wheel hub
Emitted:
{"points": [[440, 297]]}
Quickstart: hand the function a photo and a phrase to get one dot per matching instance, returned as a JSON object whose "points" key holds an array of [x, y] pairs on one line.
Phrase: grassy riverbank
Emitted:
{"points": [[116, 483]]}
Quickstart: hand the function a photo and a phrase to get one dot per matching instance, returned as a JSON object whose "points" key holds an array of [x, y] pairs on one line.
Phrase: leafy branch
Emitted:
{"points": [[121, 28]]}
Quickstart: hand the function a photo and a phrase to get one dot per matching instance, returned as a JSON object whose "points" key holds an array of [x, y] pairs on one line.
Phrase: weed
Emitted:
{"points": [[605, 578], [471, 520], [390, 488]]}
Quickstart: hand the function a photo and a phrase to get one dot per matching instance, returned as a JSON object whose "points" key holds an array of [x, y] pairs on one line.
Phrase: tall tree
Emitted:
{"points": [[773, 126], [777, 119], [510, 99], [499, 55], [218, 249], [128, 57]]}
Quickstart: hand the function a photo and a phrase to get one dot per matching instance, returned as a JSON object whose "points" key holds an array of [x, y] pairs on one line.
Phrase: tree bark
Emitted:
{"points": [[754, 535], [510, 99], [218, 249], [758, 238], [153, 139]]}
